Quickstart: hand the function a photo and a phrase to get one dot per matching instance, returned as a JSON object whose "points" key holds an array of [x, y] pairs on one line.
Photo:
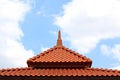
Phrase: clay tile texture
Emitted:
{"points": [[58, 72], [60, 55], [59, 63]]}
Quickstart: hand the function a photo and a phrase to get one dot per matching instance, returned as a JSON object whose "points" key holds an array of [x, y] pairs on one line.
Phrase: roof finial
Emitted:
{"points": [[59, 41]]}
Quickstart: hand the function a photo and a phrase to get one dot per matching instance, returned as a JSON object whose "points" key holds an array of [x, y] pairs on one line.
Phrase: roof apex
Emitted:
{"points": [[59, 56]]}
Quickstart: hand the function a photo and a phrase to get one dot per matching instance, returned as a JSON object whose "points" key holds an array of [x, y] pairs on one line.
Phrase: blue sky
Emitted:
{"points": [[90, 27], [42, 15]]}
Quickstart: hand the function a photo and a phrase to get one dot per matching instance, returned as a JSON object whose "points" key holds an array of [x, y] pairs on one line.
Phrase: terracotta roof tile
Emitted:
{"points": [[52, 55], [58, 72], [59, 61], [59, 54]]}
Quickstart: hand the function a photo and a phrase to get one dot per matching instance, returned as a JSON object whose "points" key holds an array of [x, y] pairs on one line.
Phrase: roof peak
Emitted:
{"points": [[59, 40], [58, 57]]}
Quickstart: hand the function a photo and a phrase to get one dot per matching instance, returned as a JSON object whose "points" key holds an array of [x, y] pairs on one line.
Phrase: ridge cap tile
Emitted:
{"points": [[33, 59]]}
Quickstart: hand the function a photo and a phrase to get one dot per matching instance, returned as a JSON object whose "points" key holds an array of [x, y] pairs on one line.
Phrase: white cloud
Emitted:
{"points": [[116, 67], [41, 13], [43, 48], [12, 51], [87, 22], [111, 51], [106, 50]]}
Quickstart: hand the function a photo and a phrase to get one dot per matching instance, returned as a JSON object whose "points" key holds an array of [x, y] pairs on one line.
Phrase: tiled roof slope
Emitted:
{"points": [[59, 72], [59, 54], [59, 61]]}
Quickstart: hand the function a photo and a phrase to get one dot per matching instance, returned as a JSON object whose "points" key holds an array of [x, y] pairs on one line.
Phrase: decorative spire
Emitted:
{"points": [[59, 41]]}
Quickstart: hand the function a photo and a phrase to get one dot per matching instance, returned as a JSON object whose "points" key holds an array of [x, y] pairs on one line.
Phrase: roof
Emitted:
{"points": [[59, 61], [59, 72], [58, 55]]}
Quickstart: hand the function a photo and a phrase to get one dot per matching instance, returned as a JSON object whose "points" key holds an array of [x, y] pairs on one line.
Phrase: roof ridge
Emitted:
{"points": [[60, 47], [41, 54], [59, 54], [75, 53]]}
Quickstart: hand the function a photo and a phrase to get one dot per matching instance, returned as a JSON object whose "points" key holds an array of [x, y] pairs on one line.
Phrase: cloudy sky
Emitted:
{"points": [[90, 27]]}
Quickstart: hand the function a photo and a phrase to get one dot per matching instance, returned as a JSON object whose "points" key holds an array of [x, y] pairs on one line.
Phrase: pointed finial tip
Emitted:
{"points": [[59, 34], [59, 41]]}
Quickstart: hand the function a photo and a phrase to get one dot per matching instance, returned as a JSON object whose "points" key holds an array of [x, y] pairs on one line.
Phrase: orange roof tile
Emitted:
{"points": [[58, 72], [59, 55], [59, 61]]}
